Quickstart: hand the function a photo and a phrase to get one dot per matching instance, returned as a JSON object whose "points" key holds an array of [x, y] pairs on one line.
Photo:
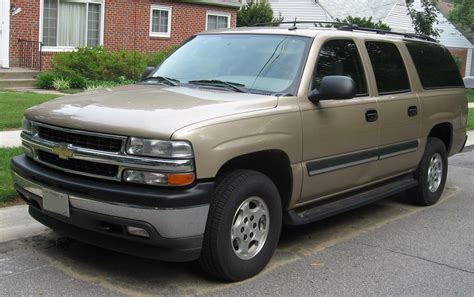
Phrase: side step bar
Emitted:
{"points": [[324, 209]]}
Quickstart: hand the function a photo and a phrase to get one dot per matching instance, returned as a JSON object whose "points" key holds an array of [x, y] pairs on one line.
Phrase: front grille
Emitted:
{"points": [[80, 140], [79, 165]]}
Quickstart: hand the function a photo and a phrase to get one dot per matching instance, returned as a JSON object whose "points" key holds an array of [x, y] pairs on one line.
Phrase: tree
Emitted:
{"points": [[425, 19], [463, 13], [364, 22], [256, 13]]}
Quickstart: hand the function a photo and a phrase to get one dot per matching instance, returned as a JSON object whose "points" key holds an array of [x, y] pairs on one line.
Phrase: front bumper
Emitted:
{"points": [[100, 211]]}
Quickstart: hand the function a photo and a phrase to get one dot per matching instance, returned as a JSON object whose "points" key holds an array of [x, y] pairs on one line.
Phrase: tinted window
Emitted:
{"points": [[389, 69], [340, 57], [435, 65]]}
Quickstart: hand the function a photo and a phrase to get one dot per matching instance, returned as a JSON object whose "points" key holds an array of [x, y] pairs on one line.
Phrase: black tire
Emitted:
{"points": [[218, 257], [422, 195]]}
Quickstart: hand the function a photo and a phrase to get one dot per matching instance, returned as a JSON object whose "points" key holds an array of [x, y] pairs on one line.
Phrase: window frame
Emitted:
{"points": [[410, 85], [169, 9], [72, 48], [361, 58], [218, 14]]}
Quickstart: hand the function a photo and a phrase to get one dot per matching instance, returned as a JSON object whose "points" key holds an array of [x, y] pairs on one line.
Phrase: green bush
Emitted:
{"points": [[100, 64], [61, 84], [45, 80], [256, 12]]}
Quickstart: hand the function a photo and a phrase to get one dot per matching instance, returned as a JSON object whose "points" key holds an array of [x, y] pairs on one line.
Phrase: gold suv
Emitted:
{"points": [[240, 131]]}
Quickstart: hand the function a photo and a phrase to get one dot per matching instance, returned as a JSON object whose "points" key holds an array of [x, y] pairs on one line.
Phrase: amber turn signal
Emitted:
{"points": [[180, 179]]}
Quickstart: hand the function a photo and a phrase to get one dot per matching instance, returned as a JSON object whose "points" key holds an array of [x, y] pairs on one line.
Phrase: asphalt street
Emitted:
{"points": [[387, 248]]}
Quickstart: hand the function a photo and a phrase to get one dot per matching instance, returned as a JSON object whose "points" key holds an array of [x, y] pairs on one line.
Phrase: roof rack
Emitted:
{"points": [[346, 27]]}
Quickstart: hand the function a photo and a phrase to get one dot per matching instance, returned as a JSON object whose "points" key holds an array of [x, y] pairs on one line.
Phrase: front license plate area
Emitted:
{"points": [[56, 202]]}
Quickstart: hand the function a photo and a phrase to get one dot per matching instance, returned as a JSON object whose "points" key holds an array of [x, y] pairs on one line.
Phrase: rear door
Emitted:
{"points": [[339, 138], [398, 106]]}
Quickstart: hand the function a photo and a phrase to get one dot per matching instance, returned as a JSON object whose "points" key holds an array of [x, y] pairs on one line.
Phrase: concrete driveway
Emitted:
{"points": [[388, 248]]}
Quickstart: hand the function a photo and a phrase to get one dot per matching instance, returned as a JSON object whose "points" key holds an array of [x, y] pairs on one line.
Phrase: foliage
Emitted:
{"points": [[7, 192], [470, 96], [364, 22], [256, 13], [97, 84], [470, 120], [425, 19], [61, 84], [98, 63], [463, 13], [45, 80], [13, 105]]}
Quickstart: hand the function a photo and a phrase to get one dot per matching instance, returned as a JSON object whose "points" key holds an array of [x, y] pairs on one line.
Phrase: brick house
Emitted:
{"points": [[142, 25]]}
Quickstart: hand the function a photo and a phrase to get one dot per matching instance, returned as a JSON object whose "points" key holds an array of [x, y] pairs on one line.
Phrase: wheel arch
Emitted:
{"points": [[444, 132], [273, 163]]}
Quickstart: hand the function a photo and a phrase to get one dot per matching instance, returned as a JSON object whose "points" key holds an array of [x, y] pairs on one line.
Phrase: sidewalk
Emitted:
{"points": [[10, 138], [470, 105], [16, 223]]}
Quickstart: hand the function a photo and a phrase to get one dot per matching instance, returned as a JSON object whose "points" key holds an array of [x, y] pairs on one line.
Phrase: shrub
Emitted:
{"points": [[365, 22], [99, 64], [256, 13], [77, 82], [45, 80], [61, 84]]}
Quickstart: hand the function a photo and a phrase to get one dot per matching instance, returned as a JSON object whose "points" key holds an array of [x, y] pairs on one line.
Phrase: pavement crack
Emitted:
{"points": [[415, 256]]}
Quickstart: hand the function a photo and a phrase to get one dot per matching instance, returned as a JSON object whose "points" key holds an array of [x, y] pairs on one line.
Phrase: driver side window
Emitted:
{"points": [[340, 57]]}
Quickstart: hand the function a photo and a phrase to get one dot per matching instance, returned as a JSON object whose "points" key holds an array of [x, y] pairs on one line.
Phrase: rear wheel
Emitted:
{"points": [[431, 173], [243, 226]]}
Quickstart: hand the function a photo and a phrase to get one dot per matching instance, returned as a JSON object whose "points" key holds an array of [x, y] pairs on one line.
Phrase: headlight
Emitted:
{"points": [[159, 148], [158, 179], [26, 126]]}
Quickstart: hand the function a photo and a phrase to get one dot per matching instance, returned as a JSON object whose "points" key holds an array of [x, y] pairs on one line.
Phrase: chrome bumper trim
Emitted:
{"points": [[168, 222], [34, 143]]}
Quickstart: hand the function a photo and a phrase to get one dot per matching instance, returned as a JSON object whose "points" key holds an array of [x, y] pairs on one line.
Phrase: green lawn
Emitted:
{"points": [[6, 184], [13, 105], [470, 95], [470, 119]]}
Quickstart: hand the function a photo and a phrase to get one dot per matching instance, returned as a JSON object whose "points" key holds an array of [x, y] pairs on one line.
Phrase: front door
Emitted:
{"points": [[4, 33], [340, 137]]}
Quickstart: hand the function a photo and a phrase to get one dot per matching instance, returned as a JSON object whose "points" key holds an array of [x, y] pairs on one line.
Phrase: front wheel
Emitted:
{"points": [[243, 226], [431, 173]]}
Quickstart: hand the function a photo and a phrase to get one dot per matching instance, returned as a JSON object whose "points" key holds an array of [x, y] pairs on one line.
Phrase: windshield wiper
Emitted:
{"points": [[215, 82], [164, 79]]}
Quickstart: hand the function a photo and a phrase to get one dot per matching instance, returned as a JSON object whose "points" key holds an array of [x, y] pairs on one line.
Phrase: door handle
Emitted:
{"points": [[371, 115], [412, 111]]}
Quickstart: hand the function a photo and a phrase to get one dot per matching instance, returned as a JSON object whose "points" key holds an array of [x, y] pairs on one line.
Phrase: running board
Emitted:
{"points": [[321, 210]]}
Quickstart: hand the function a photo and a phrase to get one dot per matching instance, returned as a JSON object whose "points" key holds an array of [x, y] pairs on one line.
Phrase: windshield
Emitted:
{"points": [[259, 63]]}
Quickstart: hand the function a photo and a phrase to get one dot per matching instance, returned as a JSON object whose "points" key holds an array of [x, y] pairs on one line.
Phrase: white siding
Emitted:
{"points": [[302, 10], [470, 63], [398, 18]]}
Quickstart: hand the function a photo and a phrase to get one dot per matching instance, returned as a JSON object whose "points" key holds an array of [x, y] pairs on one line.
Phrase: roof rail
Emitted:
{"points": [[346, 27]]}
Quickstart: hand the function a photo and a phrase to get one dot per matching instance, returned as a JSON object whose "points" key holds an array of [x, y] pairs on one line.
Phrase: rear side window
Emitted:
{"points": [[389, 68], [340, 57], [435, 65]]}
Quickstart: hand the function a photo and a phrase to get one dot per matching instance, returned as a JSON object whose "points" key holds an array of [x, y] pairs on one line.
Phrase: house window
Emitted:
{"points": [[160, 21], [217, 20], [72, 23]]}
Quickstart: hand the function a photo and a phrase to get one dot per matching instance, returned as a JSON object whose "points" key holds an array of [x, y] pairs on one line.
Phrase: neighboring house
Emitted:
{"points": [[392, 12], [142, 25]]}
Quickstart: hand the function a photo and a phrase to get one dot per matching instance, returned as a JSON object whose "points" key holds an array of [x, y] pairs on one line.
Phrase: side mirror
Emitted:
{"points": [[147, 72], [334, 87]]}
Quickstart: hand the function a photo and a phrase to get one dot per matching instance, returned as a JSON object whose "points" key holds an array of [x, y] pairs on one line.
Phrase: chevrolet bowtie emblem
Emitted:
{"points": [[63, 151]]}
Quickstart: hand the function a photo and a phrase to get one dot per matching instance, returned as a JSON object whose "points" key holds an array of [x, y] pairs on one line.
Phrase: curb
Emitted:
{"points": [[16, 223]]}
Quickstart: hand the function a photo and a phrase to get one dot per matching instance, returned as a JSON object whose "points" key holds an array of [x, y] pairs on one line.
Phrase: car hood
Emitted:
{"points": [[150, 111]]}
